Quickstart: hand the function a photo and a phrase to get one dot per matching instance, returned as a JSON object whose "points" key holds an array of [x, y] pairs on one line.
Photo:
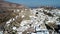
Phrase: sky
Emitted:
{"points": [[35, 3]]}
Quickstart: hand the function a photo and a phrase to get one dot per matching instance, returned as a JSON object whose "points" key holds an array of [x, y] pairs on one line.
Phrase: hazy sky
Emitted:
{"points": [[37, 2]]}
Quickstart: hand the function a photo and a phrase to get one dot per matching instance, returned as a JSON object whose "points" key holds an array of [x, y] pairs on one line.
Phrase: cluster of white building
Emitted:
{"points": [[37, 20]]}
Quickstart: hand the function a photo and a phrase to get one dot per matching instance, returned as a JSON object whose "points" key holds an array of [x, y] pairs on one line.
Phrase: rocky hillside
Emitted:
{"points": [[6, 4], [6, 14]]}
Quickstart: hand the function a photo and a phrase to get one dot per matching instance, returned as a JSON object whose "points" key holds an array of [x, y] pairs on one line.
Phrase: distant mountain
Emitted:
{"points": [[58, 7], [6, 4], [46, 7]]}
